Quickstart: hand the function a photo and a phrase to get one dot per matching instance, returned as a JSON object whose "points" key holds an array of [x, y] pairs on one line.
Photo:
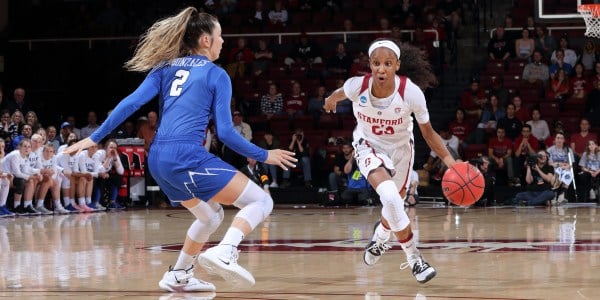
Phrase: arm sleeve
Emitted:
{"points": [[142, 95], [223, 123]]}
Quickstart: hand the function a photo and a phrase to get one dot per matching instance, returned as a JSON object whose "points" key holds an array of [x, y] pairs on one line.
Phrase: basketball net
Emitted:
{"points": [[591, 16]]}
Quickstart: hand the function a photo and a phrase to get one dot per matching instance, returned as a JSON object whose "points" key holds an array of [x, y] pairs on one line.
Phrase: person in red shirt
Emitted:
{"points": [[239, 57], [521, 112], [524, 145], [460, 127], [500, 150], [295, 103], [580, 139], [472, 100]]}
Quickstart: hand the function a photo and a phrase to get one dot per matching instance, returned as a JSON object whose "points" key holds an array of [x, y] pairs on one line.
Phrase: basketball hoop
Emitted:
{"points": [[591, 16]]}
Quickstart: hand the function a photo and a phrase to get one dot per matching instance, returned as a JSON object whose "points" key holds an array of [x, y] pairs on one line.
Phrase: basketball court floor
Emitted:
{"points": [[311, 253]]}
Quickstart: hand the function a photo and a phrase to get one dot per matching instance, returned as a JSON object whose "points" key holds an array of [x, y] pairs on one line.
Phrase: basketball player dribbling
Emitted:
{"points": [[178, 52], [383, 140]]}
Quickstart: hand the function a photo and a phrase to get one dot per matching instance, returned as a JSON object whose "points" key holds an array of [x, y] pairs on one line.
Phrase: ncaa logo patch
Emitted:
{"points": [[363, 99], [397, 110]]}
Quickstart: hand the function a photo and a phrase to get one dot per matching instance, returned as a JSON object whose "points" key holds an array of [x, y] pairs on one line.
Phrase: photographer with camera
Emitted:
{"points": [[539, 176], [525, 145], [299, 145]]}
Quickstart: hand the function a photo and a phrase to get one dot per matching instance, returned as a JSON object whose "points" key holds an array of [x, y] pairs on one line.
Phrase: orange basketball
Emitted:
{"points": [[463, 184]]}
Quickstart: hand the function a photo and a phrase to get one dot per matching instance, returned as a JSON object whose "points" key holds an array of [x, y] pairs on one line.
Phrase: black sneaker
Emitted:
{"points": [[422, 271], [375, 249], [31, 211], [19, 211]]}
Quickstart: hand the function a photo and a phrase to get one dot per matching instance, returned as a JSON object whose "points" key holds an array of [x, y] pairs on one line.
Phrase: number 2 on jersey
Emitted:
{"points": [[177, 85]]}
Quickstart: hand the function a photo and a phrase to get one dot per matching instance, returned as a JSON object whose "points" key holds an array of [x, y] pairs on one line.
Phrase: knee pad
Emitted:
{"points": [[254, 203], [209, 216], [393, 206]]}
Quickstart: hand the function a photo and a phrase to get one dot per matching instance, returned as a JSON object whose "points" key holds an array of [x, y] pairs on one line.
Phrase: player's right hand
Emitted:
{"points": [[81, 145], [330, 105], [281, 158]]}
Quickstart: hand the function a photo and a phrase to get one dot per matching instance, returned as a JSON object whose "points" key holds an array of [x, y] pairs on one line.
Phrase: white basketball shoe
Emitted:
{"points": [[184, 281], [222, 260]]}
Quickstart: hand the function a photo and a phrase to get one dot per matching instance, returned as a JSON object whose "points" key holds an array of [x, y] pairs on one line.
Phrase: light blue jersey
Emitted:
{"points": [[191, 91]]}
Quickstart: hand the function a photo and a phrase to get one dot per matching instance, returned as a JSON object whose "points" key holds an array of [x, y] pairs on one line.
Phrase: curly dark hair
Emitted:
{"points": [[414, 65]]}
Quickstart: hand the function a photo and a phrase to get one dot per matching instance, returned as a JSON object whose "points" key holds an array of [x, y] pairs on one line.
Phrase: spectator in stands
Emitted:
{"points": [[358, 190], [31, 118], [7, 129], [270, 142], [73, 122], [538, 177], [579, 140], [460, 127], [315, 105], [52, 137], [263, 58], [2, 99], [592, 105], [570, 56], [256, 173], [271, 103], [589, 56], [560, 63], [18, 101], [500, 150], [343, 107], [300, 146], [561, 158], [244, 130], [499, 47], [305, 51], [557, 127], [536, 73], [18, 120], [588, 180], [295, 103], [26, 133], [383, 31], [339, 64], [338, 178], [579, 82], [510, 123], [402, 10], [521, 112], [239, 59], [539, 126], [125, 131], [491, 114], [92, 124], [258, 17], [489, 195], [559, 88], [525, 145], [524, 46], [434, 165], [544, 43], [361, 67], [497, 88], [278, 15], [65, 132], [473, 100]]}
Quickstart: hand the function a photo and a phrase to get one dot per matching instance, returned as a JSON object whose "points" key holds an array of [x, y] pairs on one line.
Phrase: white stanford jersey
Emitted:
{"points": [[391, 126]]}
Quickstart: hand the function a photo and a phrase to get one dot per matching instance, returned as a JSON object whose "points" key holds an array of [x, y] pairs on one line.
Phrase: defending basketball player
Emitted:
{"points": [[178, 52], [383, 140]]}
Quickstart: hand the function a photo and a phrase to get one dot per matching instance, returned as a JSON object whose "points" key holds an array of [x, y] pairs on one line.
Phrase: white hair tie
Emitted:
{"points": [[387, 44]]}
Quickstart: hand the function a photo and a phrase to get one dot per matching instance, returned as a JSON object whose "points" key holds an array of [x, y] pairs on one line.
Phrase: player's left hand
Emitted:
{"points": [[281, 158], [330, 105]]}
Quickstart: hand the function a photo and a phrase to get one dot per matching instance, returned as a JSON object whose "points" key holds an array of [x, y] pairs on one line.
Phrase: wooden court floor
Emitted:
{"points": [[311, 253]]}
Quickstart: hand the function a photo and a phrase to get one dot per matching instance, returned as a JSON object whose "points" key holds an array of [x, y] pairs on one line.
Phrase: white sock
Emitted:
{"points": [[81, 201], [409, 246], [57, 203], [381, 233], [233, 237], [16, 203], [40, 203], [27, 203], [88, 200], [184, 262]]}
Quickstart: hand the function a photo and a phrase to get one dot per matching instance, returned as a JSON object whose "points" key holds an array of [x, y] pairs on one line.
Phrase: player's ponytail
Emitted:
{"points": [[170, 38], [415, 66]]}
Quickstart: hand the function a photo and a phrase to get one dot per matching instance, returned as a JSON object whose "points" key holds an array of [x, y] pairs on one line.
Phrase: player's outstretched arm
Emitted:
{"points": [[81, 145], [331, 101], [434, 141], [281, 158]]}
